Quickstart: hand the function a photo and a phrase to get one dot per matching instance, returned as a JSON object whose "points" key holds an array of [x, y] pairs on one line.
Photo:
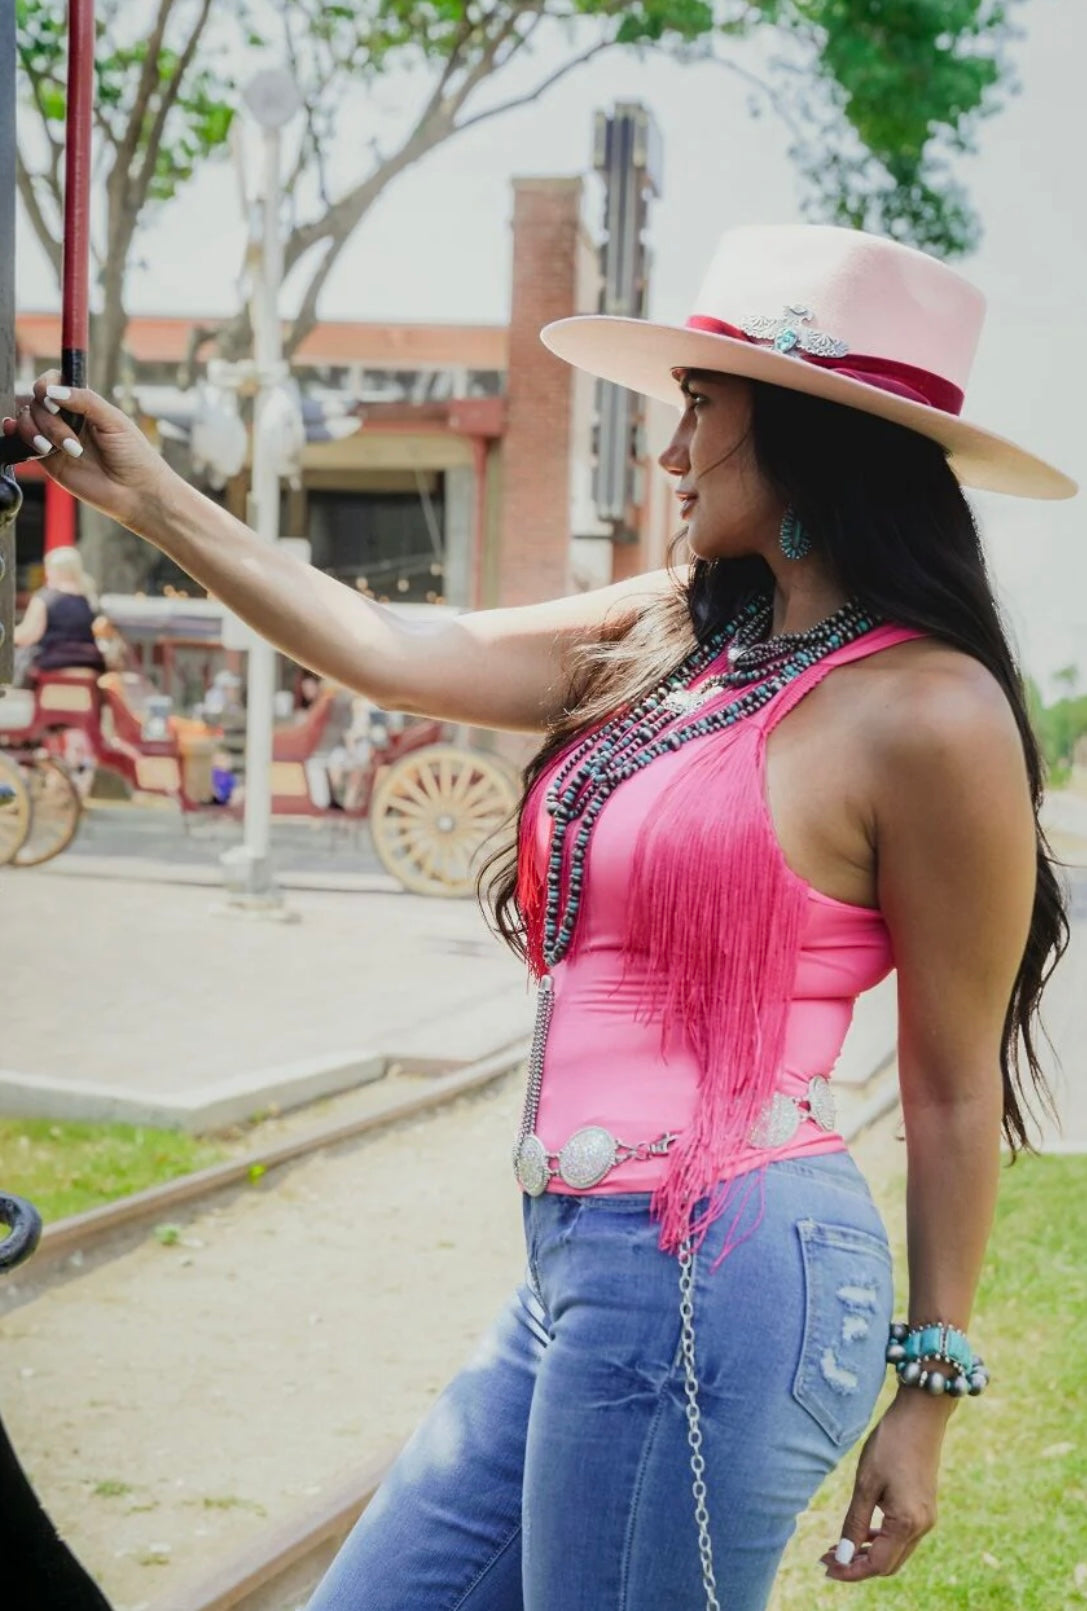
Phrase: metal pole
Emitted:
{"points": [[264, 517], [272, 98], [10, 497]]}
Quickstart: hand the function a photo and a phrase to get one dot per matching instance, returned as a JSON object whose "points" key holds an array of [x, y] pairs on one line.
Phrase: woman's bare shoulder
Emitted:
{"points": [[931, 706]]}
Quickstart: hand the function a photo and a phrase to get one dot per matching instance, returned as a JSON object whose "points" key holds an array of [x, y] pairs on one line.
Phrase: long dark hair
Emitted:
{"points": [[898, 534]]}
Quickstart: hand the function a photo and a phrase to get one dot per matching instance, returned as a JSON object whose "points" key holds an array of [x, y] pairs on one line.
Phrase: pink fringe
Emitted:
{"points": [[715, 926], [714, 934], [531, 878]]}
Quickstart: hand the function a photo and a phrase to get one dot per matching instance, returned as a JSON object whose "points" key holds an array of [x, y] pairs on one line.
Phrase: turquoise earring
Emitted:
{"points": [[795, 540]]}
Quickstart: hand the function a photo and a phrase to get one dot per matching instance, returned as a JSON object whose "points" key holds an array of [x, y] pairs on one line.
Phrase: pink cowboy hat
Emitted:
{"points": [[836, 313]]}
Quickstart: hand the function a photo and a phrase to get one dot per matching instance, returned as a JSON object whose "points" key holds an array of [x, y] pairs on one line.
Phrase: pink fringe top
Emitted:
{"points": [[704, 973]]}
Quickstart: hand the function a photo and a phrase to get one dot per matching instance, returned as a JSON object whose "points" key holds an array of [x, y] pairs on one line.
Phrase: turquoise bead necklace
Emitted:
{"points": [[636, 736]]}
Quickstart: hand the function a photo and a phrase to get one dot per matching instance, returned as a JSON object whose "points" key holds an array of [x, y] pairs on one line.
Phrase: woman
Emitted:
{"points": [[702, 888], [57, 631]]}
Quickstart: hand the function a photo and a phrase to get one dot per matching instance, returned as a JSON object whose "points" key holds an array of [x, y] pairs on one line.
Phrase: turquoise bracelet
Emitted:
{"points": [[907, 1346]]}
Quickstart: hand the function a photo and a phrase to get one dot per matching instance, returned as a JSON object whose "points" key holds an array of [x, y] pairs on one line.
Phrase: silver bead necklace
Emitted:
{"points": [[635, 737]]}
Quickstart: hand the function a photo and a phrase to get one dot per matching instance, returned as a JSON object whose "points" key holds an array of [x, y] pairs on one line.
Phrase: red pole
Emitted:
{"points": [[77, 190], [60, 516]]}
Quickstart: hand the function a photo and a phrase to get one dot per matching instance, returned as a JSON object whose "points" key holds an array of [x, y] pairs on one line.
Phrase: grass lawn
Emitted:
{"points": [[1012, 1531], [65, 1168]]}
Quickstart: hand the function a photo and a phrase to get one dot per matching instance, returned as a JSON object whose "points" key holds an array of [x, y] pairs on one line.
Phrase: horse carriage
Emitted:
{"points": [[432, 799]]}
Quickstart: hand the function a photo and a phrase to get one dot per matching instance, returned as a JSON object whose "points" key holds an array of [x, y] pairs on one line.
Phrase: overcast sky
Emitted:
{"points": [[437, 248]]}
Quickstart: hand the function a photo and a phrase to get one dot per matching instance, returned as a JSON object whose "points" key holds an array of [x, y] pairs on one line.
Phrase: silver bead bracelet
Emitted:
{"points": [[908, 1346]]}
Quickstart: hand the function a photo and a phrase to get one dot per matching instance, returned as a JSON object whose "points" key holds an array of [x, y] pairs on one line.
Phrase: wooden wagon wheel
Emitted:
{"points": [[15, 812], [433, 813], [55, 810]]}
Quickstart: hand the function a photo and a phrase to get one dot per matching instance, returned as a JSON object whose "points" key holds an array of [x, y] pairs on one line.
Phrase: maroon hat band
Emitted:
{"points": [[904, 380]]}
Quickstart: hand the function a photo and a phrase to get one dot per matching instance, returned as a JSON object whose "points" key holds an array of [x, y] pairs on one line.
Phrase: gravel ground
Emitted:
{"points": [[173, 1402]]}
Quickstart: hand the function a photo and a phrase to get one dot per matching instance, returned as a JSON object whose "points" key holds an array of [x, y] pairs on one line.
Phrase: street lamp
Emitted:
{"points": [[272, 99]]}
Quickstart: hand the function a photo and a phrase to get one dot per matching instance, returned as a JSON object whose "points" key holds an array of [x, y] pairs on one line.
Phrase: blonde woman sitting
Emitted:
{"points": [[57, 631]]}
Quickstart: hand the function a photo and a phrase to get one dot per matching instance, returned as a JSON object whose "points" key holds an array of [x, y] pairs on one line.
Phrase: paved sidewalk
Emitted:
{"points": [[123, 995], [118, 995], [125, 833]]}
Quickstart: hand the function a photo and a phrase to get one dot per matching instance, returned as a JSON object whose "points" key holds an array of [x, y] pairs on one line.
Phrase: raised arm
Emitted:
{"points": [[955, 838], [503, 668]]}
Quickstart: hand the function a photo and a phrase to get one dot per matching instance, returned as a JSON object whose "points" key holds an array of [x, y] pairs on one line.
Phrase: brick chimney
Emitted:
{"points": [[554, 274]]}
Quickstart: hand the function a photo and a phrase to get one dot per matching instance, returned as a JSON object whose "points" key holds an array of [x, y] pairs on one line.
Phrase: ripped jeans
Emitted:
{"points": [[553, 1472]]}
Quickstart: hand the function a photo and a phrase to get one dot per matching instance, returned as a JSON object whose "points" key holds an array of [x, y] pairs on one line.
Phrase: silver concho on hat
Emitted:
{"points": [[788, 334]]}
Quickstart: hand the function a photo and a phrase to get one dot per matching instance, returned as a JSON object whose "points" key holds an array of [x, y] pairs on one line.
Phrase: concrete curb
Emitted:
{"points": [[148, 870], [882, 1100], [211, 1107], [80, 1232]]}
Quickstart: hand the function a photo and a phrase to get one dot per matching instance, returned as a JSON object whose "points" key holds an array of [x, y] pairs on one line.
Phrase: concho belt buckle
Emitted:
{"points": [[586, 1158], [781, 1118], [531, 1167], [777, 1124], [824, 1109], [583, 1161]]}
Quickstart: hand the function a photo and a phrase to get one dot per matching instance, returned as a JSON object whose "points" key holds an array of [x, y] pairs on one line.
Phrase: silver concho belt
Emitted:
{"points": [[593, 1152]]}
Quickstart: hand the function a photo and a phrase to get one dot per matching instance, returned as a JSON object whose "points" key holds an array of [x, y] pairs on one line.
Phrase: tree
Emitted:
{"points": [[880, 95], [1068, 678], [1060, 725]]}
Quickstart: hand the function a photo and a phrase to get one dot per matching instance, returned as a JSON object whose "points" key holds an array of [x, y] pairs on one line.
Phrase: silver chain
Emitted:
{"points": [[544, 1007], [545, 1001], [694, 1423]]}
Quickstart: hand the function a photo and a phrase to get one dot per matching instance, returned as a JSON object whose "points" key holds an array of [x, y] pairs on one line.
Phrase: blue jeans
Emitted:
{"points": [[553, 1473]]}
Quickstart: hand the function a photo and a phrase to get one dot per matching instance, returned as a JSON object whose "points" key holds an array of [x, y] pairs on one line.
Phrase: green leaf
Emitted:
{"points": [[53, 102], [884, 96]]}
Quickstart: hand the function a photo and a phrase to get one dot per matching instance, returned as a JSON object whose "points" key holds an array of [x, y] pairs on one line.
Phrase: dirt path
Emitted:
{"points": [[174, 1401]]}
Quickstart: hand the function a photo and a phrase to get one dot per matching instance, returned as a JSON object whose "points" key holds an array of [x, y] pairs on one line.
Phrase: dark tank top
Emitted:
{"points": [[68, 639]]}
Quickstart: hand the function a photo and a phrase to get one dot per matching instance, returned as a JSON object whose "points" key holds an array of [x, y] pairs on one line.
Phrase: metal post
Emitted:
{"points": [[264, 518], [9, 492], [273, 99], [627, 156]]}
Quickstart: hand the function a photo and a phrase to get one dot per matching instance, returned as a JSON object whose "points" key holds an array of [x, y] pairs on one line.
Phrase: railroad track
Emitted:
{"points": [[69, 1247]]}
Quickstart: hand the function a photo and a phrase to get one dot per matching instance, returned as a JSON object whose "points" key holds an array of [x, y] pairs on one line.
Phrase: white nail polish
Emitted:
{"points": [[70, 445], [43, 445], [48, 404], [845, 1551], [61, 393]]}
